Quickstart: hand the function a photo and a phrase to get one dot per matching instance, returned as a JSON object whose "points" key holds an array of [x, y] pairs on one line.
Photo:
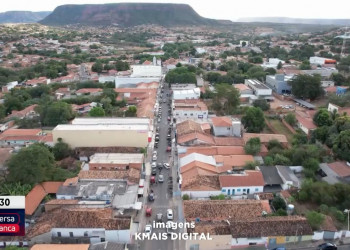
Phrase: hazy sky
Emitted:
{"points": [[220, 9]]}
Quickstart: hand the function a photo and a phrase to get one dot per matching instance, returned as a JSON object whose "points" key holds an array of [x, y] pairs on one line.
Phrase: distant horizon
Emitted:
{"points": [[219, 9]]}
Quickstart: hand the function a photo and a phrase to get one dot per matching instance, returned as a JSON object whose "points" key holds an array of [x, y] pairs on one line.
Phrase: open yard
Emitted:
{"points": [[281, 129]]}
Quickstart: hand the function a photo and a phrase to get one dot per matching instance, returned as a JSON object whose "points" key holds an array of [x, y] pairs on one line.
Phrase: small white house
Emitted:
{"points": [[248, 182], [187, 94], [226, 126]]}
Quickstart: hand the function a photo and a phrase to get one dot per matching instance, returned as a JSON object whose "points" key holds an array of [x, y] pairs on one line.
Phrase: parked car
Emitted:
{"points": [[327, 246], [159, 217], [154, 171], [166, 165], [169, 214], [151, 197], [160, 178], [153, 165], [154, 157], [158, 119], [148, 212], [169, 119], [168, 149], [156, 144], [279, 248], [148, 229]]}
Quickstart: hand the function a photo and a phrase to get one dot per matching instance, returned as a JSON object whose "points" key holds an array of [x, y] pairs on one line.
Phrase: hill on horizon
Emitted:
{"points": [[127, 15], [22, 16], [339, 22]]}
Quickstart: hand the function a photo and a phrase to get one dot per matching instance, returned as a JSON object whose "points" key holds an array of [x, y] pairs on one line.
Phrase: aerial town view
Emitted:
{"points": [[174, 125]]}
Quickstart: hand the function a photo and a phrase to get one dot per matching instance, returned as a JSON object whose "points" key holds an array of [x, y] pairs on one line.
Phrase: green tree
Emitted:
{"points": [[322, 118], [61, 150], [299, 139], [97, 67], [305, 65], [338, 79], [253, 146], [253, 120], [341, 146], [315, 219], [55, 113], [97, 112], [228, 96], [306, 86], [279, 203], [274, 144], [185, 197], [279, 65], [31, 165], [261, 103], [268, 161], [2, 112], [291, 119], [131, 112]]}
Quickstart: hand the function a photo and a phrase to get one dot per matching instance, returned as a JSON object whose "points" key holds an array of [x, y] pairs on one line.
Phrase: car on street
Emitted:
{"points": [[160, 178], [153, 165], [327, 246], [169, 136], [159, 217], [158, 119], [279, 248], [156, 144], [154, 171], [169, 214], [166, 165], [151, 197], [148, 229], [156, 138], [159, 165], [154, 158], [168, 149], [157, 129], [169, 119]]}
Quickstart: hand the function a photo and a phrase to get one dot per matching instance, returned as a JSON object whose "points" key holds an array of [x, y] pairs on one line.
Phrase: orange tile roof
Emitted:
{"points": [[306, 122], [340, 168], [215, 150], [207, 139], [23, 112], [198, 164], [51, 187], [38, 193], [223, 121], [234, 160], [33, 199], [205, 126], [228, 141], [251, 178], [72, 181], [20, 132], [187, 127]]}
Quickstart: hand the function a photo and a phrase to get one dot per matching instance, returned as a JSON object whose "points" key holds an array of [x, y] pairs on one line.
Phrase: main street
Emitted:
{"points": [[163, 195]]}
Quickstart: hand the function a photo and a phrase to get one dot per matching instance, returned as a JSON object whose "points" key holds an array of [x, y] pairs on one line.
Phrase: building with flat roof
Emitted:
{"points": [[115, 161], [186, 94], [259, 89], [190, 109], [103, 135]]}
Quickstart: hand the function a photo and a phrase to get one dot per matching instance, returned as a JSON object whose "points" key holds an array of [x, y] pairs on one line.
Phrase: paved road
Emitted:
{"points": [[163, 196], [83, 73]]}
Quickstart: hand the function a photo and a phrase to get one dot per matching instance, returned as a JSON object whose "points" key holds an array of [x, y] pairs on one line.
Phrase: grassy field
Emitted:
{"points": [[278, 125]]}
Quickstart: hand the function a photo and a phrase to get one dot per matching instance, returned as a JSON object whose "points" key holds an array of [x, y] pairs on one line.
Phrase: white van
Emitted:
{"points": [[142, 183]]}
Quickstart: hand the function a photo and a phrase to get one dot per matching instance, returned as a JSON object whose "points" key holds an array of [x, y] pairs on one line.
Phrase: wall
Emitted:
{"points": [[111, 166], [332, 107], [118, 236], [201, 194], [304, 129], [252, 190], [223, 131], [196, 114], [217, 242], [289, 127], [102, 138], [240, 242]]}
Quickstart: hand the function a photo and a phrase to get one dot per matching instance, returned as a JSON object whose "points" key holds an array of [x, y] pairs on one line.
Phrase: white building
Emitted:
{"points": [[272, 63], [190, 109], [226, 126], [186, 94], [259, 89], [146, 71], [132, 82], [321, 60], [9, 86]]}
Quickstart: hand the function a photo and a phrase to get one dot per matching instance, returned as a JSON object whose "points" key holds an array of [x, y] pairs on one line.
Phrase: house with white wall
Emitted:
{"points": [[186, 94], [247, 182], [226, 126]]}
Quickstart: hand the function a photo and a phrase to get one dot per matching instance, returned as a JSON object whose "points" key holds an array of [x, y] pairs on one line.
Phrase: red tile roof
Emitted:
{"points": [[38, 193], [251, 178], [306, 122], [222, 121], [20, 132], [340, 168], [231, 161]]}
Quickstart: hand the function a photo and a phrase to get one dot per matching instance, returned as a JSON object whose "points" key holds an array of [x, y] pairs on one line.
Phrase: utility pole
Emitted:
{"points": [[347, 211]]}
